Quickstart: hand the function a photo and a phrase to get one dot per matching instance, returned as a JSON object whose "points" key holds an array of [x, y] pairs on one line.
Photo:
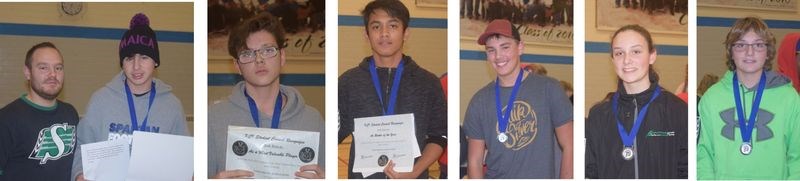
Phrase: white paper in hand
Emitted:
{"points": [[161, 157], [382, 138], [106, 160], [270, 153]]}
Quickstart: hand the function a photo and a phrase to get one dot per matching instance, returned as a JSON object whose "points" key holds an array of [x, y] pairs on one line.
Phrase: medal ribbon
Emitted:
{"points": [[747, 129], [132, 109], [276, 112], [395, 86], [503, 117], [628, 137]]}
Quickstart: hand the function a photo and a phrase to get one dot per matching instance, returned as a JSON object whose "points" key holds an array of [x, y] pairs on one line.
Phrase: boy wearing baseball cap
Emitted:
{"points": [[533, 142]]}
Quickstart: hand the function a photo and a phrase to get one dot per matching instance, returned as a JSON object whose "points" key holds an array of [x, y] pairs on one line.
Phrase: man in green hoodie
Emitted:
{"points": [[750, 119]]}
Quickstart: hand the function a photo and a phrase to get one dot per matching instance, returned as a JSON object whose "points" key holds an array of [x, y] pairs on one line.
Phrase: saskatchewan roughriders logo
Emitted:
{"points": [[54, 142]]}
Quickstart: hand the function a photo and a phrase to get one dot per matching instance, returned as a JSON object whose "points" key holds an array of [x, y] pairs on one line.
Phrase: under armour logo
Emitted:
{"points": [[732, 125]]}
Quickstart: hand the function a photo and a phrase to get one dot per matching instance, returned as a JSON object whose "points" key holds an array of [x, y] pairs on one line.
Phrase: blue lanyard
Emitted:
{"points": [[395, 86], [132, 108], [503, 117], [628, 137], [747, 129], [276, 112]]}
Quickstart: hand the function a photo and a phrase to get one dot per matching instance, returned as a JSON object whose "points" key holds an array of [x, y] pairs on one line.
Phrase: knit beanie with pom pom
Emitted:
{"points": [[140, 38]]}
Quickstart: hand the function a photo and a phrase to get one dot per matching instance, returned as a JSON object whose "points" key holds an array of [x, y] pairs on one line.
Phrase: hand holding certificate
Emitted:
{"points": [[270, 153], [106, 160], [380, 139], [143, 159], [161, 157]]}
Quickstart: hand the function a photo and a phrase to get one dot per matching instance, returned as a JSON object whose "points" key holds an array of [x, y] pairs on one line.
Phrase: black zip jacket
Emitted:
{"points": [[660, 145], [420, 93]]}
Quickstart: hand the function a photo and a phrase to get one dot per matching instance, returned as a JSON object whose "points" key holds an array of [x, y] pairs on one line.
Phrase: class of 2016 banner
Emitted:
{"points": [[302, 45], [657, 16], [780, 5], [529, 33], [538, 23]]}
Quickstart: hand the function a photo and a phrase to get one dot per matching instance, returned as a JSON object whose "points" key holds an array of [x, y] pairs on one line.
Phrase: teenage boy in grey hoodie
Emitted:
{"points": [[134, 100], [257, 45]]}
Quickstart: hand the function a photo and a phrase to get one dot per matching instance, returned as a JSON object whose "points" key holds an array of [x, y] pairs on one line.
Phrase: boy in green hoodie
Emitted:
{"points": [[749, 127]]}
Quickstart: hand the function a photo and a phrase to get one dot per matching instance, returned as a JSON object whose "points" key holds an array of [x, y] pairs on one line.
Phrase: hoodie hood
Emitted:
{"points": [[787, 58], [117, 87], [773, 80], [293, 107]]}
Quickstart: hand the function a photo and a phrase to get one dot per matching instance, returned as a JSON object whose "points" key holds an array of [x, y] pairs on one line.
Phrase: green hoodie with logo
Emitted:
{"points": [[775, 137]]}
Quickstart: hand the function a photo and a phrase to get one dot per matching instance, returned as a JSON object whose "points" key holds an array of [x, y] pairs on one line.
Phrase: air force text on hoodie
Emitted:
{"points": [[108, 117]]}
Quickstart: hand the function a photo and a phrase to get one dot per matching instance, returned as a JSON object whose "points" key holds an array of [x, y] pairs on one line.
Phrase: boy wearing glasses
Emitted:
{"points": [[749, 127], [257, 45]]}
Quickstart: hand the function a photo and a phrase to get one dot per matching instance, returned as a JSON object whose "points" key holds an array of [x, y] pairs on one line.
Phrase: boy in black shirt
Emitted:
{"points": [[417, 91]]}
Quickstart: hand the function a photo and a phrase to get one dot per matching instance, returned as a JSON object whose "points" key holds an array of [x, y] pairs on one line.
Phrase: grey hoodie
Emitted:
{"points": [[235, 111], [108, 118]]}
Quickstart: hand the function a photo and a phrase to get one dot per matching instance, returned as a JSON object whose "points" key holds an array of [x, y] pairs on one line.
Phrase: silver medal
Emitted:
{"points": [[502, 137], [627, 153], [746, 148]]}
